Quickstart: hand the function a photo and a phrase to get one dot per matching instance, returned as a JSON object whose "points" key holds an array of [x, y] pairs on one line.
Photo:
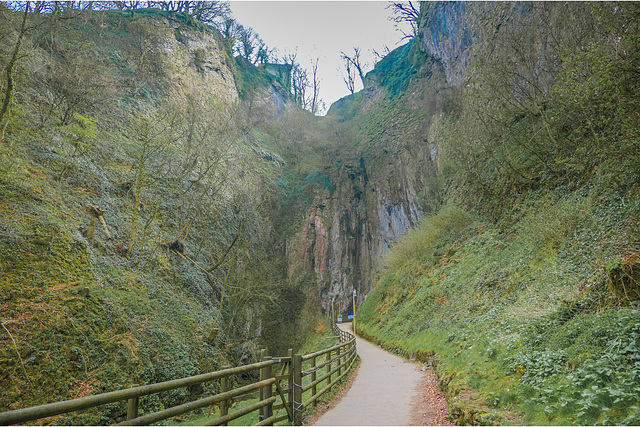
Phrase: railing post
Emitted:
{"points": [[297, 390], [339, 360], [290, 354], [313, 378], [263, 354], [329, 368], [132, 406], [267, 391], [224, 387]]}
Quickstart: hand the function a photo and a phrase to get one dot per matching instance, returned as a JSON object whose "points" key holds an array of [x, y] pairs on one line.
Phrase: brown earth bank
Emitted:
{"points": [[431, 408]]}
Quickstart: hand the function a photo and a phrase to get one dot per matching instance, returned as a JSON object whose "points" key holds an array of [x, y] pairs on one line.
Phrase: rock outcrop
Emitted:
{"points": [[383, 187]]}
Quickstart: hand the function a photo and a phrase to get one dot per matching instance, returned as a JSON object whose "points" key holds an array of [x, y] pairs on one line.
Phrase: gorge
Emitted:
{"points": [[168, 208]]}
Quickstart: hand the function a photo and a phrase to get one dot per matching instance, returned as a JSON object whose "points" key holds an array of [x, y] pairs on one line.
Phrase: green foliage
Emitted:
{"points": [[81, 131], [590, 374], [249, 77], [199, 59], [598, 92], [347, 108], [532, 311], [317, 177], [557, 120], [434, 232], [519, 319], [396, 69], [82, 318]]}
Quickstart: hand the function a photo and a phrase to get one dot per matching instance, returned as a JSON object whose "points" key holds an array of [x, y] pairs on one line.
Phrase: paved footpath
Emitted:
{"points": [[383, 392]]}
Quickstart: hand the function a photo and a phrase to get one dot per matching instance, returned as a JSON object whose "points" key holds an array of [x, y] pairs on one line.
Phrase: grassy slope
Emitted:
{"points": [[532, 314], [528, 324], [78, 316]]}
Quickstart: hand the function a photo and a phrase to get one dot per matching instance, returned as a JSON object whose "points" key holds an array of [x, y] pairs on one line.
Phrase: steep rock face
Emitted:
{"points": [[456, 33], [105, 320], [447, 36], [193, 59], [388, 181], [382, 188]]}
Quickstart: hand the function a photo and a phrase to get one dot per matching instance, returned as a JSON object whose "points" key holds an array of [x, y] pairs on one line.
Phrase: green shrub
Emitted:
{"points": [[199, 59], [396, 69]]}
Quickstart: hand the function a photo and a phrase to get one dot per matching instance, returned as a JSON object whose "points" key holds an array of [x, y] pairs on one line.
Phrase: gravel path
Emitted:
{"points": [[388, 390]]}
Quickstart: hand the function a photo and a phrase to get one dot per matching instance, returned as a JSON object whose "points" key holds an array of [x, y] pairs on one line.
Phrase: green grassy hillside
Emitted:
{"points": [[524, 289], [119, 115], [537, 323]]}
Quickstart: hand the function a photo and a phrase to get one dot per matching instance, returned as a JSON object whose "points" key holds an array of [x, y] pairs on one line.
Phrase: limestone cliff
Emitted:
{"points": [[385, 178], [194, 59], [139, 119], [446, 35]]}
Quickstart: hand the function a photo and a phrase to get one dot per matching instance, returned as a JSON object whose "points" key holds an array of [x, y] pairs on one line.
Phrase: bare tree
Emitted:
{"points": [[211, 12], [406, 11], [381, 54], [299, 80], [10, 74], [229, 33], [264, 54], [349, 77], [300, 84], [315, 100], [249, 45], [355, 63]]}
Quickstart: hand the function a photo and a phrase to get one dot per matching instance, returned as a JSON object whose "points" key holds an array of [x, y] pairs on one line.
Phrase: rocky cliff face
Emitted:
{"points": [[446, 35], [135, 118], [384, 185], [388, 181], [192, 59]]}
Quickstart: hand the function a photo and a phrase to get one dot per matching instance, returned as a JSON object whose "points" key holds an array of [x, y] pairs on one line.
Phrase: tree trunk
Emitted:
{"points": [[11, 84]]}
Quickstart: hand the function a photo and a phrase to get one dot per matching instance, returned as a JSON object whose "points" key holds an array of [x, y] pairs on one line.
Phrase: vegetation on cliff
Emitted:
{"points": [[525, 285], [137, 212], [158, 195]]}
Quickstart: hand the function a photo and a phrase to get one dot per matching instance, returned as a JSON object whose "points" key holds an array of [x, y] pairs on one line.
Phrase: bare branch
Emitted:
{"points": [[406, 11]]}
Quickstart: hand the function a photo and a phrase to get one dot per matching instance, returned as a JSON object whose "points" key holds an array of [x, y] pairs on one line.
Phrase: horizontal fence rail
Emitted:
{"points": [[287, 386], [313, 370]]}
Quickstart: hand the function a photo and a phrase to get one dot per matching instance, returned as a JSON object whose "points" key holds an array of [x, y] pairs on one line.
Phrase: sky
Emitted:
{"points": [[322, 29]]}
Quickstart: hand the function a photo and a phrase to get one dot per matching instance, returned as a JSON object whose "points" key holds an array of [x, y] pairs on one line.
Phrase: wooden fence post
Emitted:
{"points": [[263, 353], [224, 387], [290, 355], [297, 390], [329, 368], [313, 378], [339, 360], [132, 406], [267, 391]]}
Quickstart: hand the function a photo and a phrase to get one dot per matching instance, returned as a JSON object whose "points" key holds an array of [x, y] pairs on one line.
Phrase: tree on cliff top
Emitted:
{"points": [[406, 11]]}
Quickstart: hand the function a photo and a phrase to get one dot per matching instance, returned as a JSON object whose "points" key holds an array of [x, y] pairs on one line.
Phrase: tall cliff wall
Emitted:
{"points": [[446, 35], [385, 177], [138, 118]]}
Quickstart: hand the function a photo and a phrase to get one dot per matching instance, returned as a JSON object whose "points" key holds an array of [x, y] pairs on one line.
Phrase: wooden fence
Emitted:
{"points": [[287, 386]]}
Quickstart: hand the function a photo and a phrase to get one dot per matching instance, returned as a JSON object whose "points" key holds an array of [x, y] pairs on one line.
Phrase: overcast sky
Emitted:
{"points": [[321, 29]]}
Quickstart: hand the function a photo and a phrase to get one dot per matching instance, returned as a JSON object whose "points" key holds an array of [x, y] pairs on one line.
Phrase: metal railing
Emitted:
{"points": [[287, 386]]}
